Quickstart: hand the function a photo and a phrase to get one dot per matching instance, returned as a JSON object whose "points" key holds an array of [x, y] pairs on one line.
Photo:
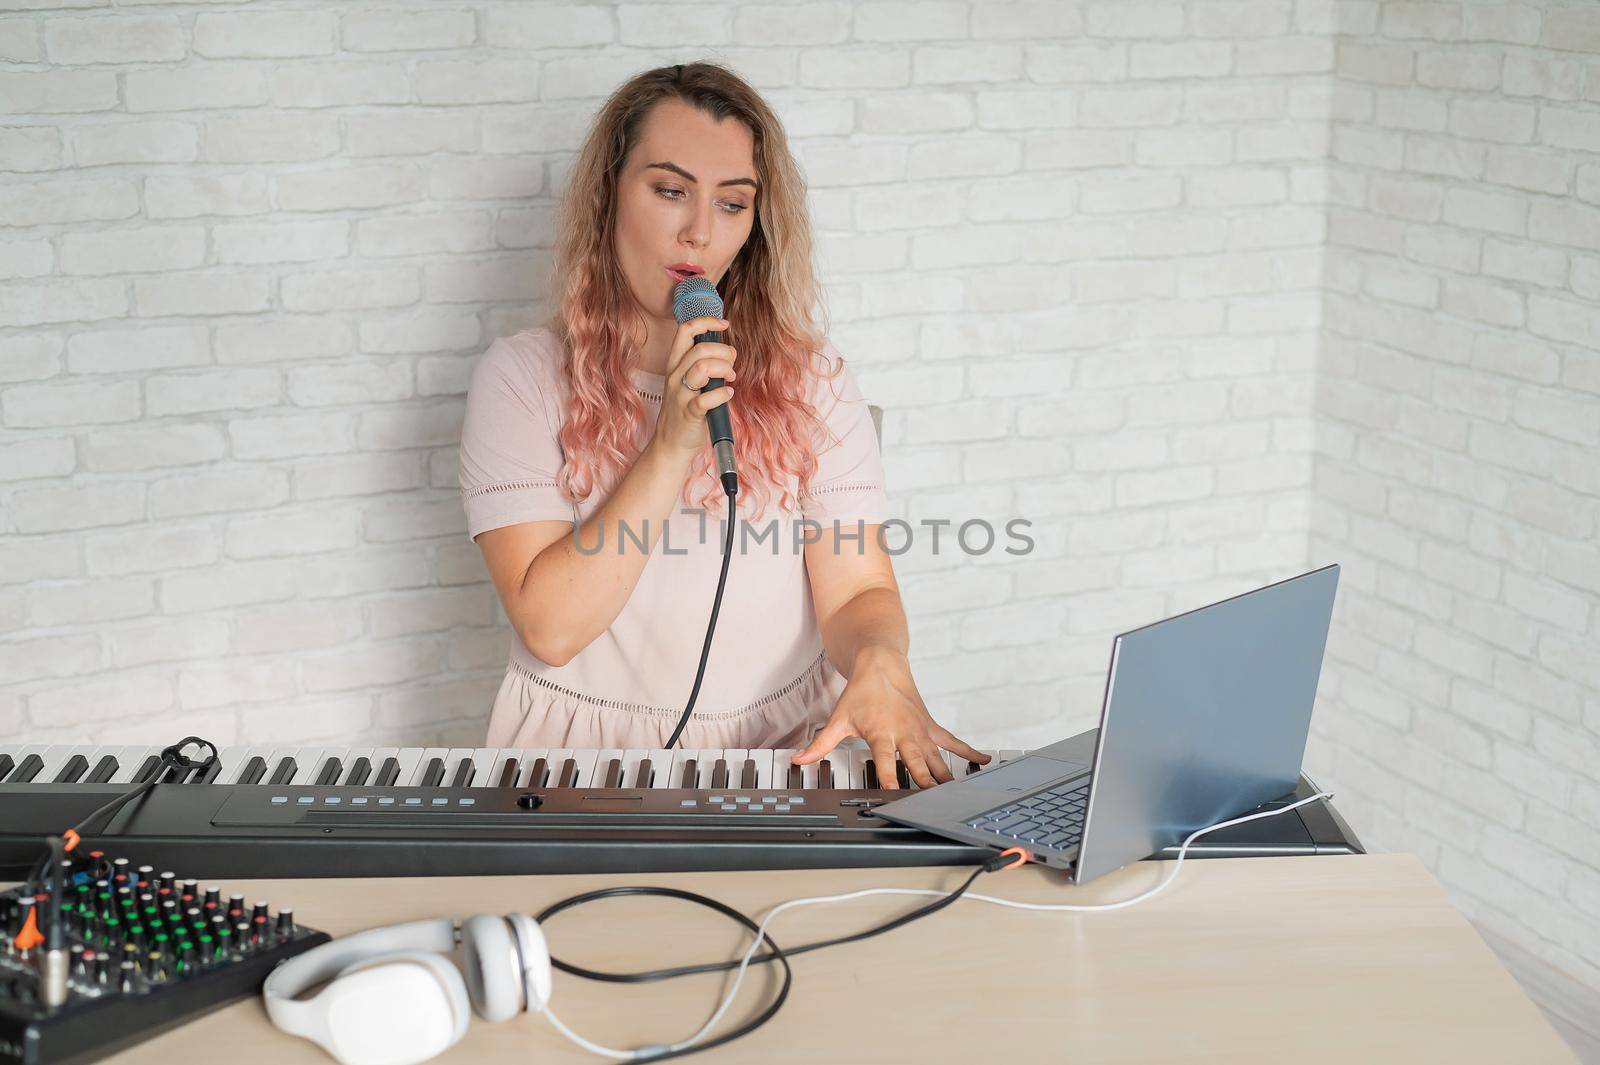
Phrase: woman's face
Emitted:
{"points": [[687, 195]]}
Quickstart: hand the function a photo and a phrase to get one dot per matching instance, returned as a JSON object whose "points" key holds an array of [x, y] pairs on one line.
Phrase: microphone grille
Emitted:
{"points": [[695, 297]]}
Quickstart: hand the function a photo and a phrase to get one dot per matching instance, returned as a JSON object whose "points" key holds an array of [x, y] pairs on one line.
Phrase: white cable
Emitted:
{"points": [[744, 962]]}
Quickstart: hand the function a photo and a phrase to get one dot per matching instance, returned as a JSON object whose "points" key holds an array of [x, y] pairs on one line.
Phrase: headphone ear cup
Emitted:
{"points": [[535, 953], [395, 1009], [494, 979]]}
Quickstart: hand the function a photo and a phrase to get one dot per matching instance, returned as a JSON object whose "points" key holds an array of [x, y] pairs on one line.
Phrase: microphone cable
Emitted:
{"points": [[716, 605]]}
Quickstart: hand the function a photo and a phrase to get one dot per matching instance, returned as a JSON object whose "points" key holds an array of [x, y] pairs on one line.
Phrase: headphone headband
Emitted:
{"points": [[435, 935]]}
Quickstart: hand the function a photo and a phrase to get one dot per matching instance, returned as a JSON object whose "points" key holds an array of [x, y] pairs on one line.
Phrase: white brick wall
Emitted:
{"points": [[1458, 421], [1206, 290]]}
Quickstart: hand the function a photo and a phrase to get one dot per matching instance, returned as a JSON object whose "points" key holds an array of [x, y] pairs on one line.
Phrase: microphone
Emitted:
{"points": [[695, 297]]}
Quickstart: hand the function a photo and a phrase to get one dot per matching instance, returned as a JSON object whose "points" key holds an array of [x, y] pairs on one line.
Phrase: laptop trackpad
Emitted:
{"points": [[1026, 774]]}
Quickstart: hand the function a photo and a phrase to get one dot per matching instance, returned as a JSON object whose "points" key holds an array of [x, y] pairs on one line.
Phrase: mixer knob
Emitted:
{"points": [[167, 883], [147, 875], [126, 980], [213, 897], [286, 924], [235, 905], [191, 890]]}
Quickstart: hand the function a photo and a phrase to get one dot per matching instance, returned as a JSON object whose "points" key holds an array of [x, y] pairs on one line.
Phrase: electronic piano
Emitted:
{"points": [[315, 811]]}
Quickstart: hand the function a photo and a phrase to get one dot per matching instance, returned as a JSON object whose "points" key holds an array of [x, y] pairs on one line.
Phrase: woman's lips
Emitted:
{"points": [[679, 275]]}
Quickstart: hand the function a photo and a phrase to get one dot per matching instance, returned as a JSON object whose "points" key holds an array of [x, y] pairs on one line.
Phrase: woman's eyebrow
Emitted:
{"points": [[680, 171]]}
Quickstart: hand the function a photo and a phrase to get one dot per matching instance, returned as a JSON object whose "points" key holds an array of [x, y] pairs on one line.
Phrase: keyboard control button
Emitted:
{"points": [[466, 802], [279, 800], [781, 807], [729, 806], [688, 802]]}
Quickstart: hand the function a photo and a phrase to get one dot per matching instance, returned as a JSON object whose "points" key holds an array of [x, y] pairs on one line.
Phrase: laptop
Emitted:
{"points": [[1205, 717]]}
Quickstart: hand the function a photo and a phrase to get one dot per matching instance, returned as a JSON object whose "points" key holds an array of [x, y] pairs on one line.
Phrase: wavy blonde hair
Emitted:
{"points": [[768, 293]]}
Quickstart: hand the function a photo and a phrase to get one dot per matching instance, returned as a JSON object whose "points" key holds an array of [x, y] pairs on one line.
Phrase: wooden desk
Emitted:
{"points": [[1295, 960]]}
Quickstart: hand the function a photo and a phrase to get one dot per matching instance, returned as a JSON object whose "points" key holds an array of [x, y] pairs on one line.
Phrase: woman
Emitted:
{"points": [[586, 467]]}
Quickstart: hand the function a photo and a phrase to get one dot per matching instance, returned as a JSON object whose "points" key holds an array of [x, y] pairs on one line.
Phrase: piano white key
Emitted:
{"points": [[347, 760], [782, 760], [227, 758], [526, 757], [839, 762], [632, 758], [661, 762], [733, 758], [234, 759], [498, 757], [409, 758], [423, 761], [307, 764], [88, 752], [856, 759], [129, 761], [55, 756], [272, 757], [602, 766], [702, 768], [452, 761], [764, 777], [485, 761], [94, 756], [556, 757], [588, 776], [20, 754], [1008, 755], [376, 759]]}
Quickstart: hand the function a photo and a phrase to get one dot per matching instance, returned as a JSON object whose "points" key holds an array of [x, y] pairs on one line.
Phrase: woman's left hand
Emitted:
{"points": [[880, 704]]}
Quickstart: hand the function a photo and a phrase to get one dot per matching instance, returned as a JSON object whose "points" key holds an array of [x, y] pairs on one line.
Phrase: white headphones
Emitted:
{"points": [[395, 1000]]}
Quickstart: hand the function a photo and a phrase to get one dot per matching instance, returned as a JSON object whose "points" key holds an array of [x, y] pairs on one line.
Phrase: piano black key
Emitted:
{"points": [[901, 773], [285, 771], [797, 777], [388, 773], [254, 770], [872, 773], [174, 774], [973, 767], [825, 774], [508, 774], [748, 777], [719, 774], [72, 770], [104, 770], [330, 772], [691, 773], [613, 774], [433, 774], [569, 774], [646, 777], [538, 774], [360, 770], [206, 776], [464, 774], [147, 769], [7, 764]]}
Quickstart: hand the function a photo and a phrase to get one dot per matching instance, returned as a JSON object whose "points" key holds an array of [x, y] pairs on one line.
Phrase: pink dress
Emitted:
{"points": [[768, 682]]}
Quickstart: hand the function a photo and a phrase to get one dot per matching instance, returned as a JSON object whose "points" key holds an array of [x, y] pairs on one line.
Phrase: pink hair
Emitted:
{"points": [[767, 295]]}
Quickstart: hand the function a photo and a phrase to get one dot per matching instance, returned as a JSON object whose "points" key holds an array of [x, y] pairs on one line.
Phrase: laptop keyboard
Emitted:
{"points": [[1050, 818]]}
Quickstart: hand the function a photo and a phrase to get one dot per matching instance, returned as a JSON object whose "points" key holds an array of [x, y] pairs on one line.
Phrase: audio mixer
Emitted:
{"points": [[141, 952]]}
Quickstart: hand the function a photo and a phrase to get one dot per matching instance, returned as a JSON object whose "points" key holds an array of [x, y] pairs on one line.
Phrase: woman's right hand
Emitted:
{"points": [[681, 423]]}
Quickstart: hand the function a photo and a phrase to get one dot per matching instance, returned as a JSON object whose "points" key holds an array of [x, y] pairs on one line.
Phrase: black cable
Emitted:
{"points": [[700, 900], [716, 605], [171, 758], [988, 866]]}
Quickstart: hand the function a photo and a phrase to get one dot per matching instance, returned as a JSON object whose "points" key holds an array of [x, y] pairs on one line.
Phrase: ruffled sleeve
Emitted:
{"points": [[848, 485], [510, 456]]}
